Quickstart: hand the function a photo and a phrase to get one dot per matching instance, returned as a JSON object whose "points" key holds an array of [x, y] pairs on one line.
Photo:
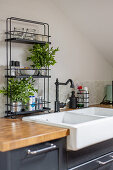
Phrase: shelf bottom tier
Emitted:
{"points": [[9, 113]]}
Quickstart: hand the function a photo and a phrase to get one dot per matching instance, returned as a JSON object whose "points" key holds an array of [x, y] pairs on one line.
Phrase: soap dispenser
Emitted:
{"points": [[73, 101]]}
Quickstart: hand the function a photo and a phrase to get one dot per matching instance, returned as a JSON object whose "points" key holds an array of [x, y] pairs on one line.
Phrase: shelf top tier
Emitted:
{"points": [[41, 28], [25, 41]]}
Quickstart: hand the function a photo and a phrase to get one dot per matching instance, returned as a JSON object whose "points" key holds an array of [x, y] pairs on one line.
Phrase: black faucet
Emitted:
{"points": [[59, 105]]}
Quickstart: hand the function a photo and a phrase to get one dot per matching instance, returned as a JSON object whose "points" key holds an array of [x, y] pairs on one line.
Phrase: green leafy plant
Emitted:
{"points": [[42, 56], [19, 90]]}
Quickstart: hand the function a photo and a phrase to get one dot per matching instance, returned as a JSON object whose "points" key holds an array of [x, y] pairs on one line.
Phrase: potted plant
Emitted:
{"points": [[41, 56], [19, 91]]}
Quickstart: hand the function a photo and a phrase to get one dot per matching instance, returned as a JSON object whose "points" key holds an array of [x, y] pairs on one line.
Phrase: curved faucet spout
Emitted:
{"points": [[72, 83]]}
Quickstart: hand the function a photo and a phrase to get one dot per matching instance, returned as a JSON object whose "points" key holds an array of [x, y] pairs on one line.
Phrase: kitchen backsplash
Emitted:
{"points": [[96, 91]]}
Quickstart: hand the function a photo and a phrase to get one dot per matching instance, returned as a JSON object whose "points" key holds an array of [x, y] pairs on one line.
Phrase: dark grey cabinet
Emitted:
{"points": [[49, 155], [53, 156]]}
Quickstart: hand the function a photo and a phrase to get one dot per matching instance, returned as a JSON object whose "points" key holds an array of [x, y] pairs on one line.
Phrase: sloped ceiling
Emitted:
{"points": [[94, 18]]}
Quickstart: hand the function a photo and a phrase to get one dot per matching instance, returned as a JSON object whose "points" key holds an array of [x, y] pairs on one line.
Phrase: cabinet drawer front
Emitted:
{"points": [[37, 157], [48, 160], [98, 163]]}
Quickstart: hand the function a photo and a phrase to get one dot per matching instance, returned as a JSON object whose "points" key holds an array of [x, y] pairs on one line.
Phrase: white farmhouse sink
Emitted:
{"points": [[87, 126]]}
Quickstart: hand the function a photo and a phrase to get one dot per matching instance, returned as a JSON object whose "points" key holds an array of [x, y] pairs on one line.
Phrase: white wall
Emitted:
{"points": [[77, 58], [94, 19]]}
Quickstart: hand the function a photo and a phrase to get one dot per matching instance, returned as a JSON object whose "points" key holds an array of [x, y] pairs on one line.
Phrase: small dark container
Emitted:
{"points": [[17, 63], [73, 101]]}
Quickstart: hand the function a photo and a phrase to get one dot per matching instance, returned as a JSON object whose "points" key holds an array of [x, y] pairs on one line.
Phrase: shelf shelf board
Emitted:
{"points": [[29, 69], [43, 102], [25, 41], [26, 76], [27, 112]]}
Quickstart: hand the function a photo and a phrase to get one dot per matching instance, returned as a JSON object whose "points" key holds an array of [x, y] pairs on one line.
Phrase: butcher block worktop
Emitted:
{"points": [[103, 105], [15, 133]]}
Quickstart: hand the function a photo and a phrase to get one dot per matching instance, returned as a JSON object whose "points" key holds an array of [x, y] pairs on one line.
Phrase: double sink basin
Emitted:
{"points": [[87, 126]]}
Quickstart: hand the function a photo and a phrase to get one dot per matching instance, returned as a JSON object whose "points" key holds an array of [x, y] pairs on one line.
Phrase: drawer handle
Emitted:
{"points": [[51, 147], [106, 162]]}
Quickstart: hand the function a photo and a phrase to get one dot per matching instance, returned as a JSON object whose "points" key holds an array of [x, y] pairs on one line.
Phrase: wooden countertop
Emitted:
{"points": [[16, 134], [103, 105], [96, 105]]}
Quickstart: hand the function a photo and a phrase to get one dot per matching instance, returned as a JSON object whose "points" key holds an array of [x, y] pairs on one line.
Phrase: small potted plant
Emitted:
{"points": [[19, 91], [41, 56]]}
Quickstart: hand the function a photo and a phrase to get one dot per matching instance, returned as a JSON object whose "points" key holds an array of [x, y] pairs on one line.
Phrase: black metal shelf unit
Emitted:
{"points": [[9, 40]]}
